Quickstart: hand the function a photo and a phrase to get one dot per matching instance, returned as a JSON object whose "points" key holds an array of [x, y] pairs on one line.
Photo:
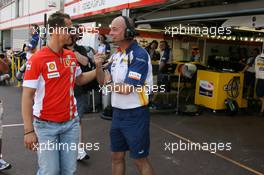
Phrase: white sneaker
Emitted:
{"points": [[4, 165], [82, 154]]}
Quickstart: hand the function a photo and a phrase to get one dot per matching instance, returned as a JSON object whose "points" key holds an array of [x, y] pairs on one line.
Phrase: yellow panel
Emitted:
{"points": [[210, 89]]}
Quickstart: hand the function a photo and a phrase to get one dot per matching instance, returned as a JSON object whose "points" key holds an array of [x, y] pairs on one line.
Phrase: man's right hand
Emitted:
{"points": [[99, 59], [31, 141]]}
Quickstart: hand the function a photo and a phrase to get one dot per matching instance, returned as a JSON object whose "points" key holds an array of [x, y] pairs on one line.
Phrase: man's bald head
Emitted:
{"points": [[122, 22], [118, 28], [119, 21]]}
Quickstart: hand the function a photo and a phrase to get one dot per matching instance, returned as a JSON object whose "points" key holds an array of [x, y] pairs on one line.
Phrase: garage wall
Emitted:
{"points": [[20, 36], [6, 39]]}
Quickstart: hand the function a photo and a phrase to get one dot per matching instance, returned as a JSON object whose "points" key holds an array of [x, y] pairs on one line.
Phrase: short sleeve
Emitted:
{"points": [[109, 64], [32, 73], [78, 71], [137, 70]]}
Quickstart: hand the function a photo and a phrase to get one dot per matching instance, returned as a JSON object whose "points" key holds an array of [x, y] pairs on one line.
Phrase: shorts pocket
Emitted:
{"points": [[39, 124]]}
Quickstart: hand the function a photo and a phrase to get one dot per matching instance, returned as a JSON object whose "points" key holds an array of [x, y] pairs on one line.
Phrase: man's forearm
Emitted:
{"points": [[100, 75], [86, 77], [81, 59], [27, 112]]}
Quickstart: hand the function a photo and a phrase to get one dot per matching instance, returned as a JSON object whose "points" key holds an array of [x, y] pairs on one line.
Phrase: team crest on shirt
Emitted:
{"points": [[52, 66], [53, 75], [69, 61]]}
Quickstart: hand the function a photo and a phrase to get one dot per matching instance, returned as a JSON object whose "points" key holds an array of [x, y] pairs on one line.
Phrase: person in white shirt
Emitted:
{"points": [[259, 68], [104, 46], [166, 57], [250, 75], [130, 82]]}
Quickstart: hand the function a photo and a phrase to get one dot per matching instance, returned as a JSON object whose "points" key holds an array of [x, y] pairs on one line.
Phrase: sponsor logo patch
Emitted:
{"points": [[52, 66], [53, 75], [134, 75]]}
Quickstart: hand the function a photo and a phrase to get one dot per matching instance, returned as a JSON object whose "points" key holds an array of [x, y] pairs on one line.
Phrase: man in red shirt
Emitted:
{"points": [[52, 126]]}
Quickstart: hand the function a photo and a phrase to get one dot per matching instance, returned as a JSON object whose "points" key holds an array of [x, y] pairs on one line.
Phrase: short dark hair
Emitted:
{"points": [[257, 50], [166, 43], [79, 31], [103, 36], [154, 41], [36, 28], [2, 55], [57, 19]]}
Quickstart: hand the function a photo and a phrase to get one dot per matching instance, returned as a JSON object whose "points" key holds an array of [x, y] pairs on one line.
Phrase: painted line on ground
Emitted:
{"points": [[13, 125], [216, 154]]}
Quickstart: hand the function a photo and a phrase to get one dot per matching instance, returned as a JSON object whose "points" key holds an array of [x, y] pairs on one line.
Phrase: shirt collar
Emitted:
{"points": [[127, 50], [133, 45]]}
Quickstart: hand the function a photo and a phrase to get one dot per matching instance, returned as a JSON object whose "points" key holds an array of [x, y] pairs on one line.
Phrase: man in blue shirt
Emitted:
{"points": [[130, 81]]}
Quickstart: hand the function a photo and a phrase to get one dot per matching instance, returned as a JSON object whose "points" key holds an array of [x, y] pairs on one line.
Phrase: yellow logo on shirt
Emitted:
{"points": [[52, 66], [67, 62], [125, 60]]}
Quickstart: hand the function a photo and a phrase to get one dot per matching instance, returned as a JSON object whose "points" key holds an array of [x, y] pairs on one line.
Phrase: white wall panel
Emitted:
{"points": [[37, 5], [6, 13]]}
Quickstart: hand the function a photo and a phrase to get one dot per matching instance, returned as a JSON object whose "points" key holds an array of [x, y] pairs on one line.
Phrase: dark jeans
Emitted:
{"points": [[249, 84], [163, 79], [82, 104]]}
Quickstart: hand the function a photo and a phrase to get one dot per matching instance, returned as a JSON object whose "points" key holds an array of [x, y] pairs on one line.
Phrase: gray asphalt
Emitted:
{"points": [[245, 133]]}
